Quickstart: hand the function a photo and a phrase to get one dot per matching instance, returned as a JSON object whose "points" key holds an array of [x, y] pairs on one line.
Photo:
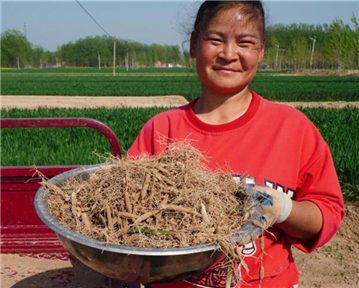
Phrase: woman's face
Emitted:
{"points": [[228, 52]]}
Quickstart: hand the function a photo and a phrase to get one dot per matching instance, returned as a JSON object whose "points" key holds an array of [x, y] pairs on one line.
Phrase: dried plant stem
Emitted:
{"points": [[86, 220], [205, 215], [229, 277], [145, 216], [145, 186], [109, 217], [127, 215], [128, 202], [180, 209]]}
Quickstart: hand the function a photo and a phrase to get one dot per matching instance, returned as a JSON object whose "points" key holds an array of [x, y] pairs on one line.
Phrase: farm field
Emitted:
{"points": [[331, 266], [334, 265], [334, 124], [55, 146], [177, 81]]}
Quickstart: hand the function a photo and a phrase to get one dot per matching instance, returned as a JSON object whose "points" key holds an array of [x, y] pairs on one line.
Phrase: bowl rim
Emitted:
{"points": [[53, 224]]}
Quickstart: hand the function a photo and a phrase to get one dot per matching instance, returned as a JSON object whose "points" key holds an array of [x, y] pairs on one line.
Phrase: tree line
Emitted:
{"points": [[95, 51], [289, 47], [301, 46], [86, 52]]}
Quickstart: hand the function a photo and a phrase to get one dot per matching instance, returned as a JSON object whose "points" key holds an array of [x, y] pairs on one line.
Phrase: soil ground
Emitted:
{"points": [[31, 102], [336, 265]]}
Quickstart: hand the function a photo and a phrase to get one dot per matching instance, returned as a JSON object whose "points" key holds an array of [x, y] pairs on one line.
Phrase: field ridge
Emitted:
{"points": [[35, 101]]}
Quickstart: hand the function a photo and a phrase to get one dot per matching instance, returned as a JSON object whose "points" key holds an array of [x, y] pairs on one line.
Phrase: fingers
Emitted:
{"points": [[248, 233], [263, 189], [263, 195]]}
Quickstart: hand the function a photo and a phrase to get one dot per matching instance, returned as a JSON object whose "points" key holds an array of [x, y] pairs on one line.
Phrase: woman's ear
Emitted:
{"points": [[193, 47]]}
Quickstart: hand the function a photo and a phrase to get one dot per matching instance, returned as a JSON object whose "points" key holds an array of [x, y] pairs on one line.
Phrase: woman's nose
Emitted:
{"points": [[229, 52]]}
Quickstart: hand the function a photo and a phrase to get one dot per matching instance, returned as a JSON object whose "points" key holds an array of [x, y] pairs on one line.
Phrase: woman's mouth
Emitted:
{"points": [[225, 70]]}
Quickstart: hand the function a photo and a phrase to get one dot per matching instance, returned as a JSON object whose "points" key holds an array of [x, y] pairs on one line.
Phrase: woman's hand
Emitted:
{"points": [[298, 219]]}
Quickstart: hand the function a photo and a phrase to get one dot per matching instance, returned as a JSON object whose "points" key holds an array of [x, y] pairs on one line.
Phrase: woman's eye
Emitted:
{"points": [[246, 43], [215, 40]]}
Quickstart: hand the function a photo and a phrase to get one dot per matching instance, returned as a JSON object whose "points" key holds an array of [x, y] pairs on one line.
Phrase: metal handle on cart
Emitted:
{"points": [[65, 122]]}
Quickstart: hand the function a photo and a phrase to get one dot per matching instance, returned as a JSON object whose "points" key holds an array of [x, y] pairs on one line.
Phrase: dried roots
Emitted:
{"points": [[165, 201]]}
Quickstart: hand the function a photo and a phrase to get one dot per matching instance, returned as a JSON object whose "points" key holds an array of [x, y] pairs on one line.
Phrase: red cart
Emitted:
{"points": [[31, 255]]}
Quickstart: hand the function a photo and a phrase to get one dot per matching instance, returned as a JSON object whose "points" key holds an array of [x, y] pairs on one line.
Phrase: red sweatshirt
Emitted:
{"points": [[274, 145]]}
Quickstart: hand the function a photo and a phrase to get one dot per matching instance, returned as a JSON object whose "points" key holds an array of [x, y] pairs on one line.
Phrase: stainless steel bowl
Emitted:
{"points": [[120, 262]]}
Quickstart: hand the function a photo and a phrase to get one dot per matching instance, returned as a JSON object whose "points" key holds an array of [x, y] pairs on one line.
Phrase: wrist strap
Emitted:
{"points": [[287, 208]]}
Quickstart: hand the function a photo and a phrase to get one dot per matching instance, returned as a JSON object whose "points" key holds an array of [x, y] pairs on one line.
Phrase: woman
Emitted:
{"points": [[274, 145]]}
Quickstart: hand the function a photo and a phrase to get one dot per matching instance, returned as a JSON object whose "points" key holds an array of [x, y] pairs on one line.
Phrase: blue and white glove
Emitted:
{"points": [[274, 208], [275, 205]]}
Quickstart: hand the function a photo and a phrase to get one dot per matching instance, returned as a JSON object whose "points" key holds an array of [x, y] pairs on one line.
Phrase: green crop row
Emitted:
{"points": [[100, 85], [91, 70], [307, 88], [65, 146], [340, 129], [152, 82], [68, 146]]}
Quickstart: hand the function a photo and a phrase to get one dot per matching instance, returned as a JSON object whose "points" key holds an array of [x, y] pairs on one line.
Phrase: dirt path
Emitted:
{"points": [[31, 102], [336, 264], [335, 104]]}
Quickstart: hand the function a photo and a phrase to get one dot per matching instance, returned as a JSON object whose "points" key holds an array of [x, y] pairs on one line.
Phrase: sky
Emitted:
{"points": [[50, 24]]}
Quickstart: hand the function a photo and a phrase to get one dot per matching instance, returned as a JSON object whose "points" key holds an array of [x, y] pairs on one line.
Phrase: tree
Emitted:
{"points": [[299, 53], [175, 54], [188, 60], [68, 53], [38, 56], [355, 39], [339, 44], [272, 52], [15, 45]]}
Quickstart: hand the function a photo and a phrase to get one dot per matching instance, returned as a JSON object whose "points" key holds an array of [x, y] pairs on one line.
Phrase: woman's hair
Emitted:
{"points": [[253, 10]]}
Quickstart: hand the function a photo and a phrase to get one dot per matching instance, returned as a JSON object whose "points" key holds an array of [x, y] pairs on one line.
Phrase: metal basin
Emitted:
{"points": [[120, 262]]}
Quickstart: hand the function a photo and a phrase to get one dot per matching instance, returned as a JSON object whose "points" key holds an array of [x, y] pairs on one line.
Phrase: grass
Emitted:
{"points": [[169, 81], [66, 146], [55, 146], [91, 70]]}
